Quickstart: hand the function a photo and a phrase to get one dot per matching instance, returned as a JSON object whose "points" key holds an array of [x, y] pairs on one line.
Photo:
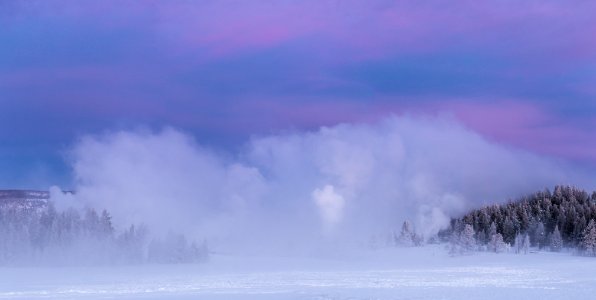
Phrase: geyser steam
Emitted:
{"points": [[330, 204], [348, 181]]}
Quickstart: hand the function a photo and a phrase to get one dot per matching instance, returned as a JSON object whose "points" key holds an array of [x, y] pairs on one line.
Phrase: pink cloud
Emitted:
{"points": [[364, 31], [511, 122], [349, 30], [528, 126]]}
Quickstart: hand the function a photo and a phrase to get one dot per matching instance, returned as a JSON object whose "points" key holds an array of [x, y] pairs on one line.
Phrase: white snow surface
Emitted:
{"points": [[396, 273]]}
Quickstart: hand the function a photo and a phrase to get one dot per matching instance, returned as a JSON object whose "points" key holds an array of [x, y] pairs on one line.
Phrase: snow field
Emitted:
{"points": [[402, 273]]}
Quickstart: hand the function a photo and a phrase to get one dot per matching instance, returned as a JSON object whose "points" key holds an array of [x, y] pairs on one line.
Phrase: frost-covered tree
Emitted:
{"points": [[491, 231], [589, 238], [463, 242], [518, 245], [174, 248], [540, 235], [406, 235], [509, 230], [132, 242], [105, 224], [556, 242], [47, 236], [526, 244], [481, 237], [522, 243], [417, 239], [567, 209], [467, 240], [497, 244]]}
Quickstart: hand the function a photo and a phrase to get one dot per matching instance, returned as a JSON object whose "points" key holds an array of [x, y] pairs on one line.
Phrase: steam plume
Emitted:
{"points": [[340, 182]]}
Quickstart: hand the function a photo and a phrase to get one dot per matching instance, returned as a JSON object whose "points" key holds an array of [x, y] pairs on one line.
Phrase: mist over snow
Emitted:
{"points": [[297, 190]]}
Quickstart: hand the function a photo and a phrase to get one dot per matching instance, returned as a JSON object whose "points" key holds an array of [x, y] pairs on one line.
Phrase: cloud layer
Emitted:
{"points": [[223, 70], [340, 183]]}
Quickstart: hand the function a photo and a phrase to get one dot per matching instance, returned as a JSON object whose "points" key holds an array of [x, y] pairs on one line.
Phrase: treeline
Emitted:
{"points": [[48, 237], [564, 218]]}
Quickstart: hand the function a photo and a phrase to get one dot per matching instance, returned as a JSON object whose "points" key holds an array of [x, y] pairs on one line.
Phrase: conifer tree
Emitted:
{"points": [[540, 235], [406, 236], [589, 238], [466, 240], [556, 243], [526, 244], [519, 241], [497, 244], [567, 209]]}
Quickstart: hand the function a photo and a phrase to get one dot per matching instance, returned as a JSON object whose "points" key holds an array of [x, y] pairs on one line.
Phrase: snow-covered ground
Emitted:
{"points": [[399, 273]]}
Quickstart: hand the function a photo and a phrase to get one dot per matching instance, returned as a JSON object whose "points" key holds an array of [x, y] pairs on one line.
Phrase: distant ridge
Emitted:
{"points": [[24, 194], [25, 199]]}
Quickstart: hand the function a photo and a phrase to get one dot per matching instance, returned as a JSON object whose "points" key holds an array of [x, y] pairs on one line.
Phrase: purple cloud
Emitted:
{"points": [[522, 74]]}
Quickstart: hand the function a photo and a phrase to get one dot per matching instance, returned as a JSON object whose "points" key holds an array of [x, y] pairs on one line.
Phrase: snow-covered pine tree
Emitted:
{"points": [[406, 236], [540, 235], [497, 244], [509, 230], [492, 230], [417, 239], [588, 242], [518, 245], [467, 240], [579, 226], [106, 228], [537, 215], [556, 242], [526, 244], [481, 238]]}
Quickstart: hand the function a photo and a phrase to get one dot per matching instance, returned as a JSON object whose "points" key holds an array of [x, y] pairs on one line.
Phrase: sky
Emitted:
{"points": [[522, 74]]}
